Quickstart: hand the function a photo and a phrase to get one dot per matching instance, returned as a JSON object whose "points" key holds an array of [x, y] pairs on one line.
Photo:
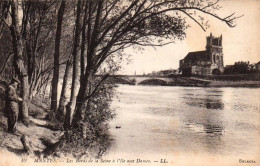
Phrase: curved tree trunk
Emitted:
{"points": [[82, 99]]}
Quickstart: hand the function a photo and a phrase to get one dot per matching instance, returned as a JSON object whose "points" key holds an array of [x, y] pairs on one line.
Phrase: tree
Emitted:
{"points": [[55, 79], [113, 26], [62, 103], [35, 30], [241, 68], [102, 30], [75, 75], [31, 32], [238, 68], [18, 61]]}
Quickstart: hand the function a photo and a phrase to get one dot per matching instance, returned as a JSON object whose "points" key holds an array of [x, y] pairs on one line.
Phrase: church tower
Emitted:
{"points": [[215, 50]]}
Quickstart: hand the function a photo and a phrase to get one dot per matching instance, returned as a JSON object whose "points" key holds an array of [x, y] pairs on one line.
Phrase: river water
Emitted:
{"points": [[158, 122]]}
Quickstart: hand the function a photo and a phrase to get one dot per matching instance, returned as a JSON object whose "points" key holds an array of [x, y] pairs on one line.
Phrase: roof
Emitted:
{"points": [[196, 55], [258, 63]]}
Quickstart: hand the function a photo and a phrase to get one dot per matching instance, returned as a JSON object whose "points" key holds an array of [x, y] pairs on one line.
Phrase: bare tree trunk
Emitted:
{"points": [[33, 90], [18, 59], [64, 87], [82, 99], [83, 42], [25, 96], [75, 75], [33, 84], [55, 79]]}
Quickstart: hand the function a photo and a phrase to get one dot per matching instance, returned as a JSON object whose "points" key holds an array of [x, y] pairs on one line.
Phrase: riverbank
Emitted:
{"points": [[211, 83], [234, 84], [44, 137], [198, 82]]}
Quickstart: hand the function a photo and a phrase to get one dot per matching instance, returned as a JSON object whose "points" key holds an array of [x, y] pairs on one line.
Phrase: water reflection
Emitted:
{"points": [[211, 99], [212, 129], [206, 128], [214, 104], [170, 120], [202, 116]]}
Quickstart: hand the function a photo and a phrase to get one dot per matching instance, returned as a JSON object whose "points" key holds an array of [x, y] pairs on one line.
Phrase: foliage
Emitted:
{"points": [[95, 126], [163, 73], [37, 34], [238, 68], [216, 71], [5, 52], [99, 111]]}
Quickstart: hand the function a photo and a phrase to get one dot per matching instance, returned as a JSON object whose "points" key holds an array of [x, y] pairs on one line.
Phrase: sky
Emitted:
{"points": [[241, 43]]}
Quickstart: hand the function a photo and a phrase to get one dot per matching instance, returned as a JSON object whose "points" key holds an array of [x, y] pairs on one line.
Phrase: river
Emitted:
{"points": [[159, 122]]}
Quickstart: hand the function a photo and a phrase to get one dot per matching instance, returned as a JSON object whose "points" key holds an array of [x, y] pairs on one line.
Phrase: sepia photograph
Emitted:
{"points": [[130, 82]]}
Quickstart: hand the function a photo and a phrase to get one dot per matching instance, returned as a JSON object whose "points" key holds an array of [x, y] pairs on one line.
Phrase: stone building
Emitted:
{"points": [[204, 62]]}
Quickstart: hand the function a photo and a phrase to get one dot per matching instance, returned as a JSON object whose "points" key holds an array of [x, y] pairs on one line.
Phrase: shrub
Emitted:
{"points": [[216, 71], [97, 116]]}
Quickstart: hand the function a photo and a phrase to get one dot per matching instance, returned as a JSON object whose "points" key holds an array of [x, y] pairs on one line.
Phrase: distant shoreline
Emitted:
{"points": [[234, 84], [194, 82], [223, 83]]}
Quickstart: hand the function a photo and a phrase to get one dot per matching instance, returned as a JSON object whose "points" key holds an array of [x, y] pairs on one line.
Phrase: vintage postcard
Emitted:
{"points": [[130, 82]]}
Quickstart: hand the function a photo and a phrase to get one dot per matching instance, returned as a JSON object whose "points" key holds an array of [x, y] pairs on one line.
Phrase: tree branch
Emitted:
{"points": [[210, 5], [193, 20], [7, 59], [97, 86]]}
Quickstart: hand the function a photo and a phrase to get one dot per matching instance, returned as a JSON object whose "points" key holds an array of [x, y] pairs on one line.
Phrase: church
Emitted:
{"points": [[204, 62]]}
